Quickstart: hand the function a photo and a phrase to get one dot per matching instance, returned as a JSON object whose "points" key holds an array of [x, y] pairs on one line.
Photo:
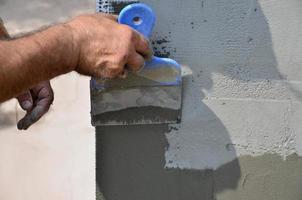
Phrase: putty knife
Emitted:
{"points": [[150, 96]]}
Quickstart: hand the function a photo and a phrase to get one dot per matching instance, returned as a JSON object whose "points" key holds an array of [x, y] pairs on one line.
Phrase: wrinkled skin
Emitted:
{"points": [[125, 49]]}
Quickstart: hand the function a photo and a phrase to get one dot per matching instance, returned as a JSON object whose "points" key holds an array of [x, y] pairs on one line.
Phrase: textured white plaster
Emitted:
{"points": [[244, 96]]}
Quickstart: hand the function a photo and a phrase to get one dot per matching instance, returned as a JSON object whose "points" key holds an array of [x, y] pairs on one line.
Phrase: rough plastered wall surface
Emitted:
{"points": [[55, 158], [244, 97]]}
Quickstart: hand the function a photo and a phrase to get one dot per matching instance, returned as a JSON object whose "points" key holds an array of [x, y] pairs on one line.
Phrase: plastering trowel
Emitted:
{"points": [[150, 96]]}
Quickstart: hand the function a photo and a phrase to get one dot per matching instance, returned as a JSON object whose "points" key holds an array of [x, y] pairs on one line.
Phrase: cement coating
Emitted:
{"points": [[131, 162], [245, 90]]}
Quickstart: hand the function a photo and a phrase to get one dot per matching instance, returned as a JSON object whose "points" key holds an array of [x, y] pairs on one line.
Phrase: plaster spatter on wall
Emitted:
{"points": [[244, 97]]}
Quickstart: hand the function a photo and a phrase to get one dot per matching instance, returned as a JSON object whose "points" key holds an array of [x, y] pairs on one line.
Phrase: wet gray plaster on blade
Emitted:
{"points": [[138, 115], [114, 100]]}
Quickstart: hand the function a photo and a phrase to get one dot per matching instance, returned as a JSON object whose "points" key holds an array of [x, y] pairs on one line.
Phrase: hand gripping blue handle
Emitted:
{"points": [[141, 17]]}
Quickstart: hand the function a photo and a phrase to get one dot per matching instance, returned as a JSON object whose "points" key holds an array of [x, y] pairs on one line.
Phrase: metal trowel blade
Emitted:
{"points": [[152, 96]]}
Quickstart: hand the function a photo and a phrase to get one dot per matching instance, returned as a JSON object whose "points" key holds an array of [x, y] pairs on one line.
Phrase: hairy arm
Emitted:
{"points": [[27, 61], [94, 45]]}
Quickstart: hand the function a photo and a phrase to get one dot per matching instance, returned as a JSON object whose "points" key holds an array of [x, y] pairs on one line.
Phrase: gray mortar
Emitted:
{"points": [[141, 115], [140, 105], [130, 166]]}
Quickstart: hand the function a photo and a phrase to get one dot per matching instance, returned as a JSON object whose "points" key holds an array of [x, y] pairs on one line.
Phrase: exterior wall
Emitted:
{"points": [[240, 137], [55, 158]]}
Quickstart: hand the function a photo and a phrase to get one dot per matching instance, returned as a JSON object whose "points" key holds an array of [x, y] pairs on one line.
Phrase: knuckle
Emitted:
{"points": [[109, 74], [110, 70], [128, 33], [98, 74], [24, 96], [115, 70]]}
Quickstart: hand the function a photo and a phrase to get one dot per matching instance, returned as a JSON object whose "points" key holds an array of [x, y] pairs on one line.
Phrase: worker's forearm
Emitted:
{"points": [[27, 61]]}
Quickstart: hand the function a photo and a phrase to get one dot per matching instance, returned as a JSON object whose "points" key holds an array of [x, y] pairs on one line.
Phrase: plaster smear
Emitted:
{"points": [[244, 94]]}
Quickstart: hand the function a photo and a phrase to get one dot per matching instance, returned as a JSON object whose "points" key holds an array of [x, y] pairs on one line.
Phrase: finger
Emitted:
{"points": [[142, 46], [135, 62], [32, 117], [25, 100], [123, 75], [44, 97]]}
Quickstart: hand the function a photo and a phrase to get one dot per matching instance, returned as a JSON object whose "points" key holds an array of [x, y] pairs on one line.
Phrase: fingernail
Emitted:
{"points": [[26, 105]]}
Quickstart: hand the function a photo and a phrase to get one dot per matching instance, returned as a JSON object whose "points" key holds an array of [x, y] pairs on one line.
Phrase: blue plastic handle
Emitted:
{"points": [[140, 17]]}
